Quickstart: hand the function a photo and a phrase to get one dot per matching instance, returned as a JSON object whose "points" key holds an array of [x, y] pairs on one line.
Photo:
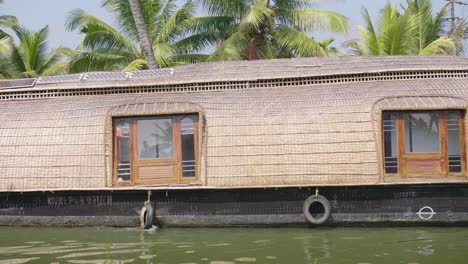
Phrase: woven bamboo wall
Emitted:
{"points": [[291, 135]]}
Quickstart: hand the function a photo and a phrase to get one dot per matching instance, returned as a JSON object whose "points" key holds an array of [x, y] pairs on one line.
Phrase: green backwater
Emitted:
{"points": [[234, 245]]}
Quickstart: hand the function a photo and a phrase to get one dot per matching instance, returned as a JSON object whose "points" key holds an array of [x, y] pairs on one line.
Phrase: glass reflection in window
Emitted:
{"points": [[155, 138], [453, 141], [390, 143], [122, 133], [188, 147], [422, 132]]}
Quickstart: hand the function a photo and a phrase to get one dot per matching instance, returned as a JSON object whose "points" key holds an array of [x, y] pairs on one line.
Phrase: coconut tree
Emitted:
{"points": [[5, 67], [142, 33], [262, 29], [31, 57], [170, 30], [5, 45], [7, 22], [414, 31]]}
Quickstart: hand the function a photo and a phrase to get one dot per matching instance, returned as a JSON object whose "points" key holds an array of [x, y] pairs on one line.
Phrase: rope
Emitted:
{"points": [[149, 198]]}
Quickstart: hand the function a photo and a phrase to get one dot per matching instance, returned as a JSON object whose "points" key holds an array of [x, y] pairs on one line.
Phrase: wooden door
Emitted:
{"points": [[156, 150], [422, 143], [155, 153]]}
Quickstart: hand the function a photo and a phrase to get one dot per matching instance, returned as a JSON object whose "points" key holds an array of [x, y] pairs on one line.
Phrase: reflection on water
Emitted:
{"points": [[234, 245]]}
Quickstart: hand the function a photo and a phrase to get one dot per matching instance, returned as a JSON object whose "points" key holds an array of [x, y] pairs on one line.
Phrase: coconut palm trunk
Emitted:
{"points": [[143, 34]]}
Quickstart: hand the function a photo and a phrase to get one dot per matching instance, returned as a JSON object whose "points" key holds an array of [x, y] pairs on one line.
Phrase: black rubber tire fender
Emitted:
{"points": [[147, 216], [316, 199]]}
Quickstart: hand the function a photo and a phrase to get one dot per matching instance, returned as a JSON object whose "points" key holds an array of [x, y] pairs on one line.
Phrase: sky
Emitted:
{"points": [[35, 14]]}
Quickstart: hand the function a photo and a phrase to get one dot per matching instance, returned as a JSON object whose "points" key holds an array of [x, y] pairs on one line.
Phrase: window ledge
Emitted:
{"points": [[142, 186], [449, 179]]}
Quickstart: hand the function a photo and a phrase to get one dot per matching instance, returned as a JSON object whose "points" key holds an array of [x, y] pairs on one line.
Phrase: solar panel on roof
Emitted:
{"points": [[60, 78], [151, 73], [98, 76], [91, 76], [20, 83]]}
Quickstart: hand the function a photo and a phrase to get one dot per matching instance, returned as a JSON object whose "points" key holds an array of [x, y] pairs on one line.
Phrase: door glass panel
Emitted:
{"points": [[122, 134], [390, 143], [188, 147], [155, 138], [453, 141], [422, 132]]}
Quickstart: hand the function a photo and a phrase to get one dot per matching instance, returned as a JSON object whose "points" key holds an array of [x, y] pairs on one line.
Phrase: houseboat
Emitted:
{"points": [[313, 141]]}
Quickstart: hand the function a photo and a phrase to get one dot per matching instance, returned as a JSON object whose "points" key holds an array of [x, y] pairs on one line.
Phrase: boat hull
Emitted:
{"points": [[357, 205]]}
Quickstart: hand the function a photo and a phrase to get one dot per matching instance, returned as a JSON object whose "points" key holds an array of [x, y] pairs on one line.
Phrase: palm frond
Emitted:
{"points": [[297, 43], [97, 60], [398, 37], [233, 8], [325, 44], [123, 16], [369, 35], [5, 46], [196, 43], [389, 14], [8, 21], [355, 47], [308, 20], [220, 26], [138, 64], [230, 49], [98, 34], [176, 21], [60, 67], [55, 57], [189, 59], [265, 50], [256, 17], [17, 62], [163, 53], [441, 46], [31, 52], [166, 12]]}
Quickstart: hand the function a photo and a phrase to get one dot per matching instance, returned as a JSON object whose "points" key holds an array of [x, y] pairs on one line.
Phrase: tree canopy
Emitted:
{"points": [[415, 30], [107, 48], [264, 29], [31, 57], [213, 30]]}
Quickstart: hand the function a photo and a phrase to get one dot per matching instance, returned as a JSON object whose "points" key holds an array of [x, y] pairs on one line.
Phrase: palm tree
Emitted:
{"points": [[30, 58], [5, 45], [7, 22], [170, 31], [415, 31], [261, 29], [142, 33]]}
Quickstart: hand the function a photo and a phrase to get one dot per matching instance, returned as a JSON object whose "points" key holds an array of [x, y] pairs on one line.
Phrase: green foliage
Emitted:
{"points": [[31, 57], [174, 32], [413, 31], [261, 29]]}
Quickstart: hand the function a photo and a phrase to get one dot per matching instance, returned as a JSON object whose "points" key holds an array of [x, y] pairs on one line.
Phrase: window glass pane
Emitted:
{"points": [[122, 133], [390, 143], [422, 132], [453, 141], [155, 138], [188, 147]]}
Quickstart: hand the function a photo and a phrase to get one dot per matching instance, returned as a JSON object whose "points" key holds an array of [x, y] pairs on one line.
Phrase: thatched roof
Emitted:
{"points": [[241, 71], [269, 123]]}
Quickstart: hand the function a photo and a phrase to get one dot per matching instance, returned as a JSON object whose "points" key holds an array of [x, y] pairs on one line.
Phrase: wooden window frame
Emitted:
{"points": [[176, 160], [402, 157]]}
